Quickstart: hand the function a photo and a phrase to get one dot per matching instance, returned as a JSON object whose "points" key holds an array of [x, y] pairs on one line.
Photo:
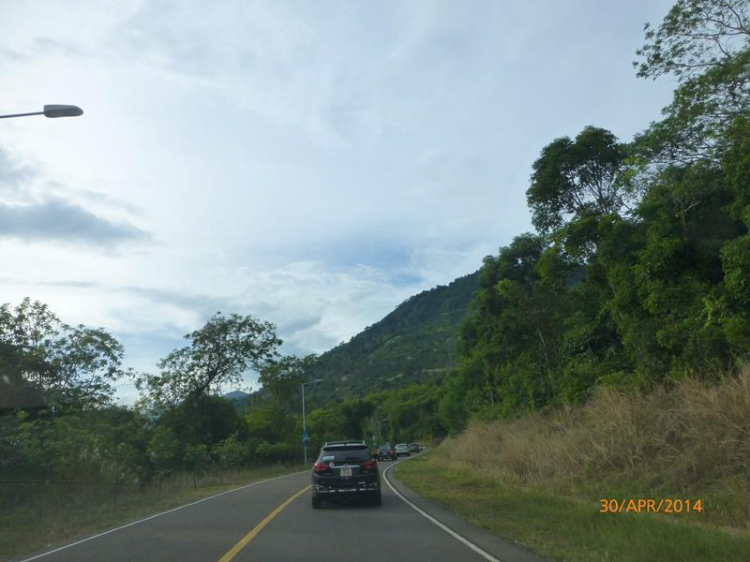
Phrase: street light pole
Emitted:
{"points": [[21, 114], [304, 421], [51, 111]]}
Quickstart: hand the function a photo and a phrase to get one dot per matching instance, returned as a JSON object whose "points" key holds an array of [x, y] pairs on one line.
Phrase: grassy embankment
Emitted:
{"points": [[539, 479], [42, 516]]}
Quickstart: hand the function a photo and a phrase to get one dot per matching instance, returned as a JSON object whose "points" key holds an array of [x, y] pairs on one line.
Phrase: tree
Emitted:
{"points": [[197, 458], [231, 452], [735, 254], [355, 414], [695, 36], [70, 365], [165, 451], [706, 45], [575, 178], [282, 378], [15, 391], [219, 353], [325, 424], [203, 419]]}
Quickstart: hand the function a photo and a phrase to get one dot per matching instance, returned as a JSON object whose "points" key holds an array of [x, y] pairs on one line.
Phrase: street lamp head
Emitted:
{"points": [[313, 383], [62, 111]]}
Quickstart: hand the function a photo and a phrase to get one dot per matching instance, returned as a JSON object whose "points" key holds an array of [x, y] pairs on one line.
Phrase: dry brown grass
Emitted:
{"points": [[691, 441]]}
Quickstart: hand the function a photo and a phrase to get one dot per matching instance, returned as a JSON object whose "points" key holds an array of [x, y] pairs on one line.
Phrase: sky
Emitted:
{"points": [[312, 164]]}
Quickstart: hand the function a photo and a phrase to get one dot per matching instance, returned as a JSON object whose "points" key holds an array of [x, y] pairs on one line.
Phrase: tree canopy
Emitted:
{"points": [[220, 353]]}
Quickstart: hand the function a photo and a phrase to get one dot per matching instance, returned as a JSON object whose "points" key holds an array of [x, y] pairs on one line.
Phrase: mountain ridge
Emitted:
{"points": [[415, 342]]}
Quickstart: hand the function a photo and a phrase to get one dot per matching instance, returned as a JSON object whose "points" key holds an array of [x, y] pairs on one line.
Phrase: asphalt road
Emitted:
{"points": [[273, 520]]}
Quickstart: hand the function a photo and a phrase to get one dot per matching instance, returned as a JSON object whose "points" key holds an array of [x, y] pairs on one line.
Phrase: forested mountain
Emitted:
{"points": [[414, 343]]}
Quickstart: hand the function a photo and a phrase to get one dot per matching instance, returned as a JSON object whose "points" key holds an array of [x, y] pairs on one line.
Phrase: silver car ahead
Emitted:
{"points": [[402, 450]]}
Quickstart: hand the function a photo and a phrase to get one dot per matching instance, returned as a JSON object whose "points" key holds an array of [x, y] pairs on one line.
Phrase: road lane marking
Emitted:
{"points": [[87, 539], [483, 553], [260, 526]]}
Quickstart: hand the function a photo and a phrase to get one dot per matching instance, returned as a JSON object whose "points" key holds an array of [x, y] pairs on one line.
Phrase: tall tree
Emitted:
{"points": [[695, 36], [69, 364], [576, 178], [220, 353], [282, 377], [706, 45]]}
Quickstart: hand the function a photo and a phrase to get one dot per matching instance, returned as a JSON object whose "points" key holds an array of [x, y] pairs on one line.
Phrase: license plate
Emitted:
{"points": [[346, 471]]}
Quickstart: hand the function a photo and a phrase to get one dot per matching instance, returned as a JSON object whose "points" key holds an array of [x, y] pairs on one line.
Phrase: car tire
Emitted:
{"points": [[316, 502], [377, 499]]}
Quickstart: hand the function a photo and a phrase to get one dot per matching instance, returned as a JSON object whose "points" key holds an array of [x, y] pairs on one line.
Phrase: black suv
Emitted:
{"points": [[386, 452], [345, 469]]}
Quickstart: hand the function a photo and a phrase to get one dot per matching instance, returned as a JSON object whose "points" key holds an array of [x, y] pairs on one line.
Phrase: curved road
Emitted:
{"points": [[273, 520]]}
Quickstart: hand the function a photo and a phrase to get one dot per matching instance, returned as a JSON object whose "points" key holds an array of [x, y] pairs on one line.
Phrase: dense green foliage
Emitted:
{"points": [[72, 429], [219, 353], [639, 271], [401, 415], [59, 422]]}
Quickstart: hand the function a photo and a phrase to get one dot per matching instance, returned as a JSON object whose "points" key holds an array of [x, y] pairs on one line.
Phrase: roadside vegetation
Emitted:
{"points": [[540, 478], [637, 274], [605, 357], [562, 527], [688, 441]]}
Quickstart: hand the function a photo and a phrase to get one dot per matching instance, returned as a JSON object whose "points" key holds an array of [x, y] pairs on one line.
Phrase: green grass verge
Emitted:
{"points": [[57, 517], [561, 528]]}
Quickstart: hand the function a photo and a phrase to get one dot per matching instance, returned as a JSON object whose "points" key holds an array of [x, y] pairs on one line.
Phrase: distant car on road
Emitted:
{"points": [[413, 447], [345, 469], [386, 452], [402, 450]]}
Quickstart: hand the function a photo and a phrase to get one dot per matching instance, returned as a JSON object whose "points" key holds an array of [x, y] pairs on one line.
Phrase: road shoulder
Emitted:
{"points": [[501, 548]]}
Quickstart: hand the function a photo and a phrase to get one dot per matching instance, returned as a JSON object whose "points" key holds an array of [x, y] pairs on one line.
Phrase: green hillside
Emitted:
{"points": [[414, 343]]}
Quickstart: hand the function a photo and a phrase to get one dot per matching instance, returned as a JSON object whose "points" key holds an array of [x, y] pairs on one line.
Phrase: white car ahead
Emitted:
{"points": [[402, 450]]}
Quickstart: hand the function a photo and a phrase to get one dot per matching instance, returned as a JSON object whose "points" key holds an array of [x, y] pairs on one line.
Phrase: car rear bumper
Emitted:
{"points": [[345, 488]]}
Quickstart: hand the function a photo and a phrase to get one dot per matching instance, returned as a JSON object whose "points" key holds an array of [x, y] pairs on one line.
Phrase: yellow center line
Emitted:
{"points": [[259, 527]]}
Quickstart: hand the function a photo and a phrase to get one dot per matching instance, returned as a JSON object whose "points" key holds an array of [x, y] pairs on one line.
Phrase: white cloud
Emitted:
{"points": [[311, 163]]}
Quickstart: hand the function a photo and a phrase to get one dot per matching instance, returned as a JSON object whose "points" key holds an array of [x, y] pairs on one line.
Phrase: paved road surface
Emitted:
{"points": [[263, 522]]}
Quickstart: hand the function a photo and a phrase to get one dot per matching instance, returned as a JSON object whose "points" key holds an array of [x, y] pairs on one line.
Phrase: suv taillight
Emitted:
{"points": [[320, 467], [372, 464]]}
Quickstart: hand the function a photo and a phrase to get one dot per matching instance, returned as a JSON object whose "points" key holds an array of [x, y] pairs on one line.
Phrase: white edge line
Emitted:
{"points": [[43, 554], [483, 553]]}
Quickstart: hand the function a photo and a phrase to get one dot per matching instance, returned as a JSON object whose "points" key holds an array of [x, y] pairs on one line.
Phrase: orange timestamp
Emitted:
{"points": [[651, 505]]}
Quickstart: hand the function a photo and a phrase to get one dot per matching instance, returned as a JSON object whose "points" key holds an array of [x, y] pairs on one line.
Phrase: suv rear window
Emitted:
{"points": [[343, 454]]}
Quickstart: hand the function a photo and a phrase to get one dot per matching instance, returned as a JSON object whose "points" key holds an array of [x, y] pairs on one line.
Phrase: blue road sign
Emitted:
{"points": [[305, 438]]}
